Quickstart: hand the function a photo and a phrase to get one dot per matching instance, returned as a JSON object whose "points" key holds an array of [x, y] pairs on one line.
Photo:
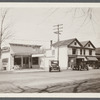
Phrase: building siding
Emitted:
{"points": [[63, 58]]}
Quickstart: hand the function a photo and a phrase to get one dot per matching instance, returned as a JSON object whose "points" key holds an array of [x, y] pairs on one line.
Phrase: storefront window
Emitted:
{"points": [[35, 61], [17, 61]]}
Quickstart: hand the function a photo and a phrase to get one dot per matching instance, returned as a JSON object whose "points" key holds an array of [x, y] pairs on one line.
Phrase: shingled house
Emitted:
{"points": [[72, 51]]}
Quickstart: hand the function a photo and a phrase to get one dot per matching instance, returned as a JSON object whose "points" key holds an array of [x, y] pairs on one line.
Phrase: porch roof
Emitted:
{"points": [[21, 50]]}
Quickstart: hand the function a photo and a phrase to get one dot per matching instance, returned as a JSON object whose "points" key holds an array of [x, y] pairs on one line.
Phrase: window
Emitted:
{"points": [[88, 45], [17, 61], [90, 52], [75, 43], [53, 52], [80, 51], [84, 51], [5, 61], [73, 51], [25, 60], [35, 61]]}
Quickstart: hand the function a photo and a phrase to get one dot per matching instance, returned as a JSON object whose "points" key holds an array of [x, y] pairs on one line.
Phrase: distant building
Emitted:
{"points": [[72, 51]]}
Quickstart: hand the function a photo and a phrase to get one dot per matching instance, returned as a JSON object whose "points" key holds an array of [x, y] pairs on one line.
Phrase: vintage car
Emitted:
{"points": [[97, 65], [80, 66], [54, 66]]}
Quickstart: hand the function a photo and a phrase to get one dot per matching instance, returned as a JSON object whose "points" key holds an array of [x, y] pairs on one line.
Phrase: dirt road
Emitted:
{"points": [[54, 82]]}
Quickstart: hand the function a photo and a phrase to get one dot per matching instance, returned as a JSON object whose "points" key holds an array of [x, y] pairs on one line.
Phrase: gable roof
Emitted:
{"points": [[84, 43], [65, 42]]}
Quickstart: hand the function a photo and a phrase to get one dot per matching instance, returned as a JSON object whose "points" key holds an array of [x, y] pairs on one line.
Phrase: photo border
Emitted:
{"points": [[70, 96]]}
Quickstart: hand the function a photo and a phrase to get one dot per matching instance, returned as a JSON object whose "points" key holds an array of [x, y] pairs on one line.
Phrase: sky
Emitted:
{"points": [[36, 25]]}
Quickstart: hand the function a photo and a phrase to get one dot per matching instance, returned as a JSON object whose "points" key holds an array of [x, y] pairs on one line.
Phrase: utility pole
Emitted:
{"points": [[58, 32]]}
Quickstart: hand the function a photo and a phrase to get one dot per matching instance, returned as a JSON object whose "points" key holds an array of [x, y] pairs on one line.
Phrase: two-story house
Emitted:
{"points": [[89, 51], [72, 51]]}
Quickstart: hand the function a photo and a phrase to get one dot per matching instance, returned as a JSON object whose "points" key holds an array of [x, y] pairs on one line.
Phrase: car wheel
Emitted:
{"points": [[59, 69], [80, 68], [87, 68], [49, 69]]}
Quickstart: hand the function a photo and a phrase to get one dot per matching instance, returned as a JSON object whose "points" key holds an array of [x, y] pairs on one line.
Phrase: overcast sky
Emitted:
{"points": [[36, 24]]}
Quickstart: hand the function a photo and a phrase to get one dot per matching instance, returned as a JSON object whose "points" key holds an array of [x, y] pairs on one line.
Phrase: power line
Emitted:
{"points": [[49, 15]]}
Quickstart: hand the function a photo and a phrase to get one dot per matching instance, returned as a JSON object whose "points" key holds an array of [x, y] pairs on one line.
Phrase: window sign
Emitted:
{"points": [[5, 62], [72, 60]]}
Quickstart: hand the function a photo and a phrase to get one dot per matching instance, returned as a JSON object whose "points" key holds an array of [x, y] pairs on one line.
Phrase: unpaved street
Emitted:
{"points": [[55, 82]]}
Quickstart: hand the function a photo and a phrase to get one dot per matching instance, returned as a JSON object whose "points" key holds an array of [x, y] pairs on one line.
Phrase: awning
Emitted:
{"points": [[92, 59], [82, 57], [37, 55], [21, 50]]}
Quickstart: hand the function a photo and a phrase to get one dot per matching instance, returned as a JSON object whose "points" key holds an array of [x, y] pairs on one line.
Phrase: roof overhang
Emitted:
{"points": [[38, 55], [82, 57], [21, 50]]}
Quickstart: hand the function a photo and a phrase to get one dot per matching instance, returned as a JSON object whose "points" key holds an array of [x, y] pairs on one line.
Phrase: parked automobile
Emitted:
{"points": [[81, 66], [97, 65], [54, 66]]}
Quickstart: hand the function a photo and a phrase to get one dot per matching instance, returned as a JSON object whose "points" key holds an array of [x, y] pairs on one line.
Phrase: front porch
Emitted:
{"points": [[26, 62]]}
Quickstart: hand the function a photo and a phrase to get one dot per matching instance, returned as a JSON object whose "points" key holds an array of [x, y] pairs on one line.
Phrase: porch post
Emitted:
{"points": [[21, 61], [29, 62]]}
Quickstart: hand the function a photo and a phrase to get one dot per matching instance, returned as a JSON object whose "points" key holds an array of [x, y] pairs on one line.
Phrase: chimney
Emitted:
{"points": [[50, 44]]}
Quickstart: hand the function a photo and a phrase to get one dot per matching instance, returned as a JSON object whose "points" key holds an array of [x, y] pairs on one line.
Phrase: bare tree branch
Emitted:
{"points": [[5, 32]]}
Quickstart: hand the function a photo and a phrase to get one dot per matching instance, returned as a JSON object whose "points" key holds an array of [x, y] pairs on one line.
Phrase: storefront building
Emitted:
{"points": [[73, 52], [20, 56]]}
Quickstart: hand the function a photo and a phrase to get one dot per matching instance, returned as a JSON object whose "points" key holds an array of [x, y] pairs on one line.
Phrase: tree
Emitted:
{"points": [[5, 32]]}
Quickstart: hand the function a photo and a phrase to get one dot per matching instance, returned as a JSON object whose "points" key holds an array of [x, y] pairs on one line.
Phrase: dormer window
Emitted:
{"points": [[75, 43]]}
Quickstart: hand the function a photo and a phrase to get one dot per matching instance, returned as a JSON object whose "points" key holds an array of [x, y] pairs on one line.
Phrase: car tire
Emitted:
{"points": [[59, 69], [80, 68], [49, 69], [87, 68]]}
